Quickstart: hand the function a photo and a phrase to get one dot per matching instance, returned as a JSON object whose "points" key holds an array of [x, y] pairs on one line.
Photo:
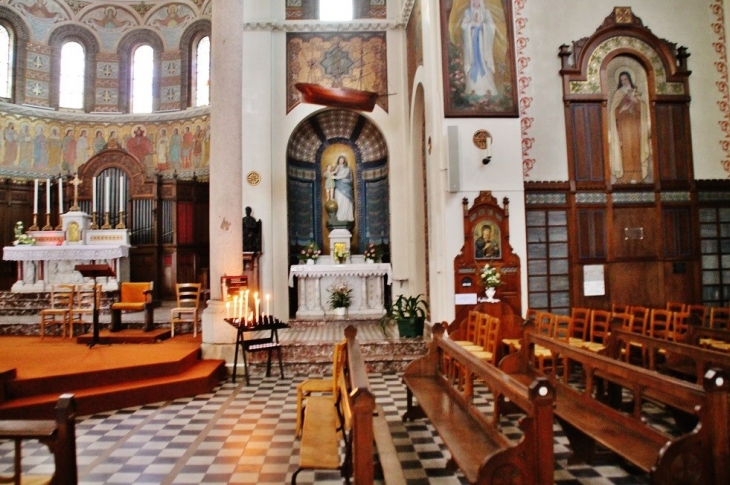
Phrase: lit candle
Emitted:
{"points": [[228, 309], [268, 302], [60, 195], [48, 196], [246, 314], [93, 194], [35, 198], [121, 194], [106, 194], [235, 307], [257, 308]]}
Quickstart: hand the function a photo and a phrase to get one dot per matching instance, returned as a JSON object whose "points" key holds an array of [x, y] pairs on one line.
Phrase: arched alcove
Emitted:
{"points": [[318, 141]]}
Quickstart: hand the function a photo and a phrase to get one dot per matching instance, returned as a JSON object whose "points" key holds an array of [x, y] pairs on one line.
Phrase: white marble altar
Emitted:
{"points": [[39, 267], [366, 281]]}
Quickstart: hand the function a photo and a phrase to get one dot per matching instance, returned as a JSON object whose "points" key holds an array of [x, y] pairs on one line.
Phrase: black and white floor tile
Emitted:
{"points": [[245, 435]]}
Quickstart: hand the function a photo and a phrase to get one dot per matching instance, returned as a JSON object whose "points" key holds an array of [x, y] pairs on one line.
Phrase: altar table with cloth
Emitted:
{"points": [[365, 279]]}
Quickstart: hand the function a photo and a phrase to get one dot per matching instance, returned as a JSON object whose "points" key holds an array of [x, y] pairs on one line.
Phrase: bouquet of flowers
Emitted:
{"points": [[310, 251], [491, 277], [341, 255], [373, 251], [340, 295]]}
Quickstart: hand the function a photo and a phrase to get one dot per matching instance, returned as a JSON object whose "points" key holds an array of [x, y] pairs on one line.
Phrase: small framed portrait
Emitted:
{"points": [[487, 240]]}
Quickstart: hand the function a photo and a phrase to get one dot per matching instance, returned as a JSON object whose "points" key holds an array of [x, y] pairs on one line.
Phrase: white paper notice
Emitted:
{"points": [[465, 299], [593, 280]]}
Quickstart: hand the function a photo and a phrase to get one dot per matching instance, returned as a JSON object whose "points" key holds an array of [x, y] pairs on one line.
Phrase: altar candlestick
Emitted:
{"points": [[106, 193], [121, 194], [35, 197], [268, 302], [60, 195]]}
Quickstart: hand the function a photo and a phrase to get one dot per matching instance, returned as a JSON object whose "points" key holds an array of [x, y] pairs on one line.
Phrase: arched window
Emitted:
{"points": [[202, 72], [142, 79], [335, 10], [72, 80], [6, 63]]}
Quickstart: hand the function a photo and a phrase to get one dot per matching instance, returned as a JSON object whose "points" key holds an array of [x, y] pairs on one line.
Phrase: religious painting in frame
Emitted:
{"points": [[477, 43], [487, 240]]}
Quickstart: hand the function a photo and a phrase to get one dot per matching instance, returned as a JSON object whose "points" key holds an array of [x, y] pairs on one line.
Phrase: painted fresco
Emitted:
{"points": [[350, 60], [30, 146], [414, 45]]}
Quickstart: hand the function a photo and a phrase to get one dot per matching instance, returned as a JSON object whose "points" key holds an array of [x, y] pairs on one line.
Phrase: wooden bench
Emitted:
{"points": [[477, 446], [60, 437], [589, 417], [348, 418]]}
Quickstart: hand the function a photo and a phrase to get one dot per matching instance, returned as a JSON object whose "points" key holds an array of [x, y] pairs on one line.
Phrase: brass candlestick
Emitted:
{"points": [[59, 227], [34, 227], [121, 221], [47, 227], [106, 221], [94, 225]]}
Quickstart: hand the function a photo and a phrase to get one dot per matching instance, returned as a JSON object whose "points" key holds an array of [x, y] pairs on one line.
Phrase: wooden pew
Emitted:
{"points": [[356, 405], [58, 434], [476, 444], [588, 420]]}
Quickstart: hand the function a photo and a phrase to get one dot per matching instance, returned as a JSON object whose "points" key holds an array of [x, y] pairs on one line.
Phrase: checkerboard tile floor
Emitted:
{"points": [[244, 434]]}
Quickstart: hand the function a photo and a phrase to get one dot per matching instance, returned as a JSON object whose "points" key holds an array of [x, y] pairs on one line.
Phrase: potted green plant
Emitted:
{"points": [[409, 313]]}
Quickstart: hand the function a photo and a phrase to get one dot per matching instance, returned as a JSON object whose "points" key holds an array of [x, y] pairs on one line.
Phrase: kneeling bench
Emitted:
{"points": [[135, 297]]}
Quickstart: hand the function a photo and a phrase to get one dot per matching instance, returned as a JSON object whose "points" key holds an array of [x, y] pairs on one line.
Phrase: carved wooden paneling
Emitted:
{"points": [[635, 232], [592, 234], [674, 151], [677, 232], [587, 142], [637, 283]]}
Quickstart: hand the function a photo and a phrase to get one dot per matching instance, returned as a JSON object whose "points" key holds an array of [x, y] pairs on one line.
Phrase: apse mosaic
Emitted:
{"points": [[31, 146]]}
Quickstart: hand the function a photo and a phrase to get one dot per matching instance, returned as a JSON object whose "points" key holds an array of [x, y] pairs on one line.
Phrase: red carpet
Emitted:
{"points": [[34, 372]]}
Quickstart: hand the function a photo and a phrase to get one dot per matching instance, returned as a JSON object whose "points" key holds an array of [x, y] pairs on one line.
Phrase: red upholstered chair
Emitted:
{"points": [[133, 297]]}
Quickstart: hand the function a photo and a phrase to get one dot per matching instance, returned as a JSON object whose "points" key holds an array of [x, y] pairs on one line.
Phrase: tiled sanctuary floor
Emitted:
{"points": [[244, 434]]}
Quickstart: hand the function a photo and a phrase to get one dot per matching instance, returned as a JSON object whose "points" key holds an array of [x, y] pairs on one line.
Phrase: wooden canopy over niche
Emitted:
{"points": [[486, 241]]}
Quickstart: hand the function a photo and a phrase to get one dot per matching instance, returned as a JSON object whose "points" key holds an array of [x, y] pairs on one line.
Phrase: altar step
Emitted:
{"points": [[102, 378]]}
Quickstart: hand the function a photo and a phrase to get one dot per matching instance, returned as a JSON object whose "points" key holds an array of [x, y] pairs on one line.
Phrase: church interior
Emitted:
{"points": [[386, 241]]}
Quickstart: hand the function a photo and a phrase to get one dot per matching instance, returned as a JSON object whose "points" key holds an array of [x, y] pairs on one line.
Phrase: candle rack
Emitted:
{"points": [[47, 227], [34, 227], [106, 221]]}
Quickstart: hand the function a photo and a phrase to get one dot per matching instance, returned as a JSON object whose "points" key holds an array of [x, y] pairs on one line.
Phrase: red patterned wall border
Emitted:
{"points": [[722, 85], [523, 83]]}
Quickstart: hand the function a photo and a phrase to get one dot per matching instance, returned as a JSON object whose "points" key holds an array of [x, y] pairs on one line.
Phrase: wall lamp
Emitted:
{"points": [[483, 141]]}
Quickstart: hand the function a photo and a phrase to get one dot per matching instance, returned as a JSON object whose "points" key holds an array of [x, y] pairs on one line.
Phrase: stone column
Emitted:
{"points": [[226, 179]]}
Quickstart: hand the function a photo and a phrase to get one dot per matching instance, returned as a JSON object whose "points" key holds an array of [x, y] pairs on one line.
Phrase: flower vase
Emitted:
{"points": [[490, 295], [340, 311], [369, 261], [310, 262]]}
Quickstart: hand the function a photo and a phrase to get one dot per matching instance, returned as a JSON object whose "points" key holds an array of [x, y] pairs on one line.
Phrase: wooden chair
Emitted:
{"points": [[699, 312], [675, 306], [470, 338], [562, 330], [62, 298], [680, 326], [641, 319], [720, 318], [82, 312], [488, 341], [660, 327], [188, 307], [620, 308], [329, 385], [600, 327], [581, 320], [134, 297]]}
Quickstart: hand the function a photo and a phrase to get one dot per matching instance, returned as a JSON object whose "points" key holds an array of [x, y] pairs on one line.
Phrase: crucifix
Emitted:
{"points": [[76, 182]]}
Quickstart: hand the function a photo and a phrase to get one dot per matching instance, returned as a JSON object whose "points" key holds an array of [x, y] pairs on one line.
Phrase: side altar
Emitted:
{"points": [[48, 256], [365, 279]]}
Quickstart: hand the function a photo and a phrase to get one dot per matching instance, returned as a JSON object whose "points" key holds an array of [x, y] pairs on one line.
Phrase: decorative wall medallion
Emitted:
{"points": [[253, 178], [480, 139]]}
